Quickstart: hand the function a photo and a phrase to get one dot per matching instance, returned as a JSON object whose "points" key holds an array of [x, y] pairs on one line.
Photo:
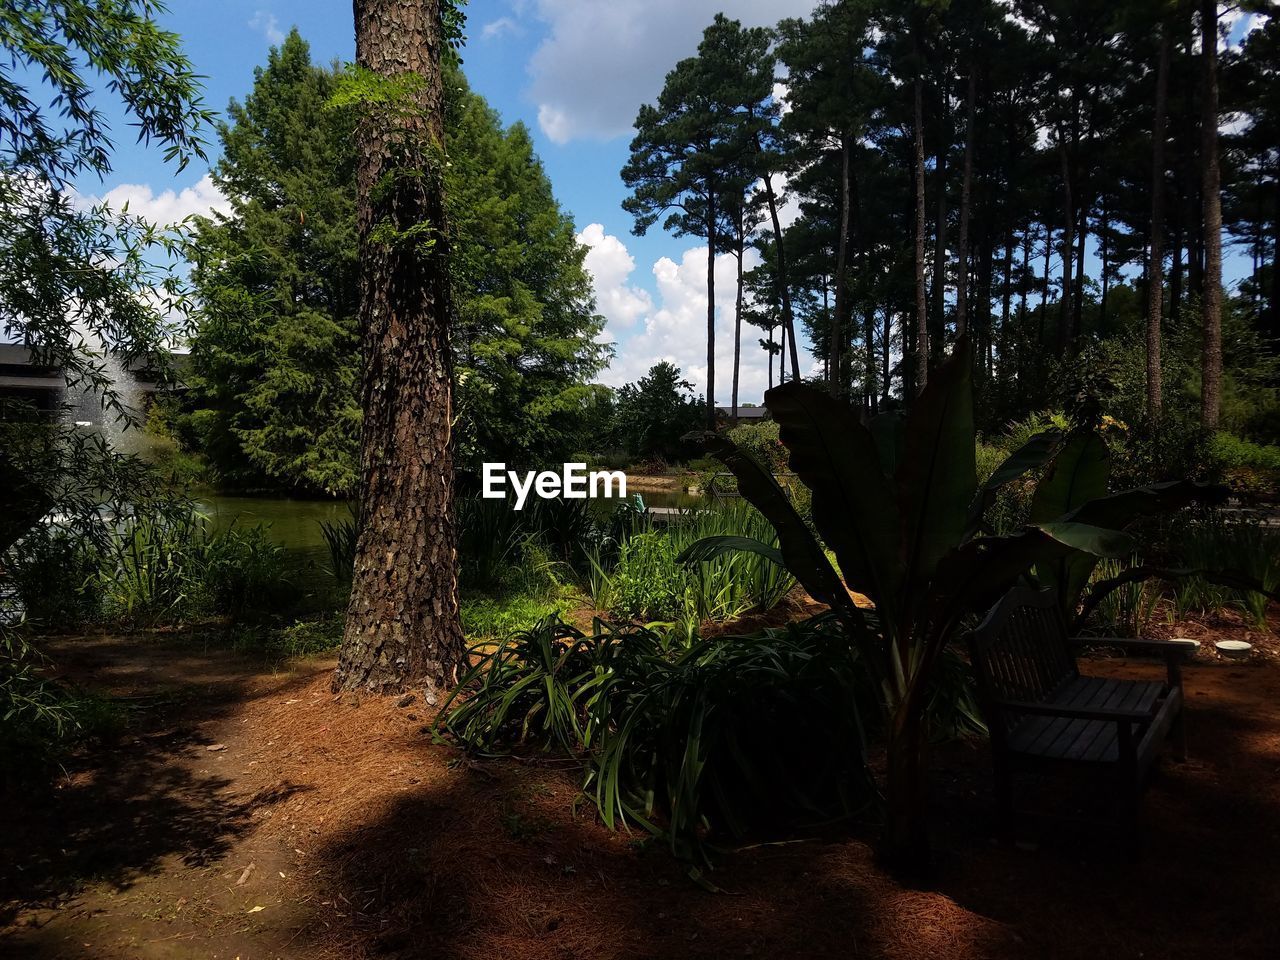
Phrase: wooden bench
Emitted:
{"points": [[1041, 710]]}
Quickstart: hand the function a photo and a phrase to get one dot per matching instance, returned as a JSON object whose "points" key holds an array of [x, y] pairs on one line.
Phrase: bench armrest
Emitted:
{"points": [[1075, 713]]}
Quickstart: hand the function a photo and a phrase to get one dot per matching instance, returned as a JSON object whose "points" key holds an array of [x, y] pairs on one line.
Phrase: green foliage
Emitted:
{"points": [[78, 280], [39, 718], [651, 416], [732, 582], [174, 569], [728, 735], [1122, 612], [1243, 548], [275, 365], [489, 617], [340, 538], [534, 687], [1229, 451], [55, 576], [305, 638], [649, 584], [899, 504]]}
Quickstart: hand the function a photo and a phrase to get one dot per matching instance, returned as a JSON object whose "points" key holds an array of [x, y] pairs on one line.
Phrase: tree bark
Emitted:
{"points": [[836, 335], [737, 325], [784, 286], [402, 626], [1274, 306], [711, 307], [885, 358], [922, 328], [1155, 257], [1068, 252], [962, 245], [1211, 197]]}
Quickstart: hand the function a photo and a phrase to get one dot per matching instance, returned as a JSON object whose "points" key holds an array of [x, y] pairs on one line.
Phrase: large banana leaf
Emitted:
{"points": [[1077, 475], [1120, 509], [853, 504], [799, 550], [709, 548], [1030, 456], [936, 478], [888, 430], [1090, 540]]}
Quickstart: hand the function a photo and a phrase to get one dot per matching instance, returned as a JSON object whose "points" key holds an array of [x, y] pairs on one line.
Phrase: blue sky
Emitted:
{"points": [[575, 72]]}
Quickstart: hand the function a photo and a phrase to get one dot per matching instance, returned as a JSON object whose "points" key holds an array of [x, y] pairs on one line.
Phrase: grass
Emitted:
{"points": [[486, 617]]}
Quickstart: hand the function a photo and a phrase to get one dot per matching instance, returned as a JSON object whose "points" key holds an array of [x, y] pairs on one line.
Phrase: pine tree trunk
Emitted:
{"points": [[1077, 300], [836, 335], [1274, 307], [402, 626], [737, 327], [1211, 196], [922, 328], [1068, 252], [885, 357], [938, 289], [962, 245], [938, 308], [711, 308], [784, 286], [1044, 288], [1155, 258]]}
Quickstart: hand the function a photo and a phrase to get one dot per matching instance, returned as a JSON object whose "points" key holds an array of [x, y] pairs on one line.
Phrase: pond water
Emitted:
{"points": [[671, 498], [293, 524]]}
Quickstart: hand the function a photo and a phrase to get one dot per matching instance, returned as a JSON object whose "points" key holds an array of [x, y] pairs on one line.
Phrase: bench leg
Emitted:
{"points": [[1178, 736]]}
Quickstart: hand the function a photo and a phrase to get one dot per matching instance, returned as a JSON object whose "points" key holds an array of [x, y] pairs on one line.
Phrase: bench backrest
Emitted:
{"points": [[1020, 650]]}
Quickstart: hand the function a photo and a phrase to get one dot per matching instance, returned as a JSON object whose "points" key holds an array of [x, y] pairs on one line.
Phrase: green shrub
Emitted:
{"points": [[731, 734], [649, 584], [486, 617], [1124, 611], [1236, 547], [733, 583], [1230, 451], [178, 569], [245, 572], [340, 538], [41, 717], [761, 441], [535, 687], [55, 577], [302, 639]]}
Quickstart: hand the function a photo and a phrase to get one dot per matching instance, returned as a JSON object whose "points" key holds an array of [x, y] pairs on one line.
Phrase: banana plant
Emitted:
{"points": [[897, 502]]}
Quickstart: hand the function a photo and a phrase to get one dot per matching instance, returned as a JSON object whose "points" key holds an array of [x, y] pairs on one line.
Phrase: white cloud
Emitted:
{"points": [[167, 207], [268, 25], [601, 61], [497, 28], [610, 265], [675, 328]]}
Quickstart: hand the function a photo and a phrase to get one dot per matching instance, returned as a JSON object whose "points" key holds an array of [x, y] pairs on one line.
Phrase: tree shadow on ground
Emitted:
{"points": [[151, 791]]}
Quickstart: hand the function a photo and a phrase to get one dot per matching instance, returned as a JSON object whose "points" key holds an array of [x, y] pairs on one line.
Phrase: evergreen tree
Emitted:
{"points": [[275, 358], [275, 362]]}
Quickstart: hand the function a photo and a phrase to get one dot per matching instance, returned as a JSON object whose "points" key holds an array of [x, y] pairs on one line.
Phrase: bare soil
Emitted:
{"points": [[248, 813]]}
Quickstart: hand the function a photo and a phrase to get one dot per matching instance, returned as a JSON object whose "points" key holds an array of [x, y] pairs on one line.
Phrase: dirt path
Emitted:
{"points": [[247, 813]]}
